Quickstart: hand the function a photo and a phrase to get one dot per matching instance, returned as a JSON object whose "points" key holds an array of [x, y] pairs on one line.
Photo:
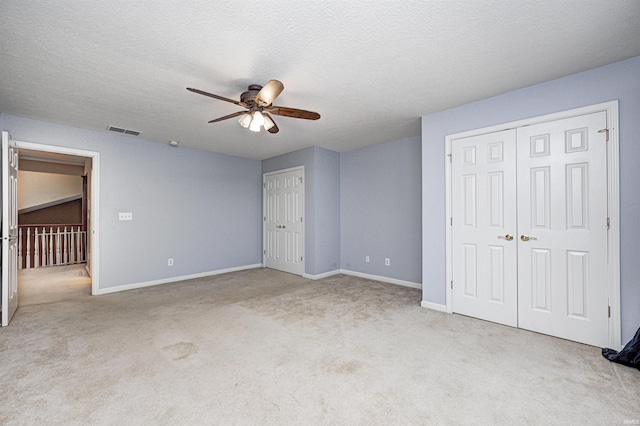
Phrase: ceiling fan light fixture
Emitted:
{"points": [[255, 125], [257, 122], [245, 120], [258, 118], [268, 122]]}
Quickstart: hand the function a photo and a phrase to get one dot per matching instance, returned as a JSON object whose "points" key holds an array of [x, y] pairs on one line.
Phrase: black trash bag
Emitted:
{"points": [[629, 355]]}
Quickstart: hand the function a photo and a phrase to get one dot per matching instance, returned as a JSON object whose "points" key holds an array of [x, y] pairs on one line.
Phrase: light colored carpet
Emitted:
{"points": [[263, 347]]}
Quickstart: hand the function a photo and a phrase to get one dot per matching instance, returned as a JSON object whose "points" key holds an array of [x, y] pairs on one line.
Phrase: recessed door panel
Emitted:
{"points": [[470, 263], [470, 205], [496, 257], [541, 280], [496, 199], [578, 284], [577, 191], [540, 197]]}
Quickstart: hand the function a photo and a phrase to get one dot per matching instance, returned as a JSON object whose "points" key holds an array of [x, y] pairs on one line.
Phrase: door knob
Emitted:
{"points": [[507, 237], [525, 237]]}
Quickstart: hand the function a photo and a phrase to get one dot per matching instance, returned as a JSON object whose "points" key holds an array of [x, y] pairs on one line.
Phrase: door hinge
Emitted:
{"points": [[264, 185], [300, 180], [609, 312], [264, 252], [300, 258], [450, 157], [300, 219], [608, 224], [451, 284], [451, 221], [264, 219], [606, 132]]}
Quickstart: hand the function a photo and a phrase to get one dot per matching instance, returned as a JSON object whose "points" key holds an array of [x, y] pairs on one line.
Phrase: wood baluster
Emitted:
{"points": [[45, 247], [19, 248], [58, 258], [72, 249], [50, 260], [65, 248], [29, 248], [36, 250], [79, 246]]}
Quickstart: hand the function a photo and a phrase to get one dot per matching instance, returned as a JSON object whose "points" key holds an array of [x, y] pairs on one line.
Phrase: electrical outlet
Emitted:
{"points": [[387, 261], [125, 216], [170, 262], [367, 259]]}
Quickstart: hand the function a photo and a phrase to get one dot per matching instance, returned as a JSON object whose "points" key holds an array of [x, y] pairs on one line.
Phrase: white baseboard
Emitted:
{"points": [[381, 278], [323, 275], [434, 306], [174, 279]]}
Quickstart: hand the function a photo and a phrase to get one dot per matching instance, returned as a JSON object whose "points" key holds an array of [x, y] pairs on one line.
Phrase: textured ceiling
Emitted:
{"points": [[370, 68]]}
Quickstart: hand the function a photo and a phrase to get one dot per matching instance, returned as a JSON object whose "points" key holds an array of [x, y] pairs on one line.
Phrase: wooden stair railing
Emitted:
{"points": [[50, 245]]}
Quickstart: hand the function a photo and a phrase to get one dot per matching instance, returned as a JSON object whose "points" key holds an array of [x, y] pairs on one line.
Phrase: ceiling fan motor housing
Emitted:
{"points": [[249, 97]]}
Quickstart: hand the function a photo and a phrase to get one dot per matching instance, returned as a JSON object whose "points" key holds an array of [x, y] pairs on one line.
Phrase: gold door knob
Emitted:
{"points": [[525, 238], [507, 237]]}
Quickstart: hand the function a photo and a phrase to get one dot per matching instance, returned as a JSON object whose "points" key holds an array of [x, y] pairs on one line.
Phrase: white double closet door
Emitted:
{"points": [[529, 228], [283, 221]]}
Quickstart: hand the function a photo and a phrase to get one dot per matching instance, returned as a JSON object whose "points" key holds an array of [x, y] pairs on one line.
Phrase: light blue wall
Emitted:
{"points": [[202, 209], [327, 210], [322, 204], [619, 81], [380, 200]]}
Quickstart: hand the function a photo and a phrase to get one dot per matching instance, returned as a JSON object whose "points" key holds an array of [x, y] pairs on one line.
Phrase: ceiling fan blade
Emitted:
{"points": [[235, 114], [269, 93], [211, 95], [295, 113], [273, 129]]}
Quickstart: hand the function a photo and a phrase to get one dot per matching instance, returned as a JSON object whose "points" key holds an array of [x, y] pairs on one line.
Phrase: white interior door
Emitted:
{"points": [[9, 229], [484, 227], [552, 276], [283, 221], [562, 229]]}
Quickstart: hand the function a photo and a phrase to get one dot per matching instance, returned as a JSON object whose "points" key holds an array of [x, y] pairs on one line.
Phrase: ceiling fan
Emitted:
{"points": [[258, 100]]}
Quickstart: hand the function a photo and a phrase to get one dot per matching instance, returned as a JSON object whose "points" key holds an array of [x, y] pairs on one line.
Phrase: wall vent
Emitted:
{"points": [[124, 131]]}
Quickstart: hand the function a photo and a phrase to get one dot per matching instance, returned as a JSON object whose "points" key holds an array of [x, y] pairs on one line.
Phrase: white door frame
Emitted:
{"points": [[264, 214], [613, 190], [95, 200]]}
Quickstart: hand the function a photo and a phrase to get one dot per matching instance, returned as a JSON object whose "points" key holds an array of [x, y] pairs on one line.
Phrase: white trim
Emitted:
{"points": [[95, 200], [50, 204], [434, 306], [133, 286], [323, 275], [611, 108], [290, 169], [381, 278], [613, 191], [304, 214], [367, 276]]}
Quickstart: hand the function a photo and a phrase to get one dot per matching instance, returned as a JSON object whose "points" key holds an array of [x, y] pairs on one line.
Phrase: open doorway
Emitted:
{"points": [[9, 228], [53, 196]]}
